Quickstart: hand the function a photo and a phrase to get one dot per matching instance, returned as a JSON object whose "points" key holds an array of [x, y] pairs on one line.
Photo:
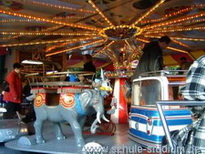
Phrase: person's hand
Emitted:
{"points": [[3, 92]]}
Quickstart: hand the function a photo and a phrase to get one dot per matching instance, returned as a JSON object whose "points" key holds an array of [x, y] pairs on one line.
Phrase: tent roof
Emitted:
{"points": [[103, 28]]}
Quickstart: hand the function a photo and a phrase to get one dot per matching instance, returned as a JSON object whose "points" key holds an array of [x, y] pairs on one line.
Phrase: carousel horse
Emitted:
{"points": [[73, 108]]}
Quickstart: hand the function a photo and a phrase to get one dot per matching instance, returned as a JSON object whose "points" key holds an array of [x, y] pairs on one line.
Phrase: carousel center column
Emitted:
{"points": [[121, 113]]}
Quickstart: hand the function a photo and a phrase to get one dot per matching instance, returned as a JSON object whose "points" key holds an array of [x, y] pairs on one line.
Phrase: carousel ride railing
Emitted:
{"points": [[56, 81], [166, 129]]}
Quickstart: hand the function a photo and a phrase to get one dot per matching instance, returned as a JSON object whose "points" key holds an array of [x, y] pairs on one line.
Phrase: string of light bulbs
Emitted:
{"points": [[174, 13], [48, 33], [40, 42], [148, 12], [174, 21], [74, 48], [105, 47], [100, 12], [49, 20], [63, 7]]}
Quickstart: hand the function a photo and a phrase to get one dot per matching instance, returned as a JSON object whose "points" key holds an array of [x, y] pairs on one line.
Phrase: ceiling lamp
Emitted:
{"points": [[121, 32], [32, 62]]}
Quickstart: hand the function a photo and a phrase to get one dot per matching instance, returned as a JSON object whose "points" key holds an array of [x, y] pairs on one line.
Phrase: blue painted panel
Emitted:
{"points": [[145, 136], [157, 122]]}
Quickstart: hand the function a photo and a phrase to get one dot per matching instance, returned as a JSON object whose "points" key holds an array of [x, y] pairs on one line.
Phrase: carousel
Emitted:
{"points": [[57, 33]]}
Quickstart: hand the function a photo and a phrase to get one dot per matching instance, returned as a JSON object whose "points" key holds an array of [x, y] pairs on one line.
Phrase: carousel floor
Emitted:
{"points": [[113, 144]]}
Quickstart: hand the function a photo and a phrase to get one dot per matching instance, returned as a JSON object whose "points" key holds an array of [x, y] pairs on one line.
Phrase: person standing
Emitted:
{"points": [[88, 63], [89, 66], [14, 96], [152, 58], [26, 91], [184, 64]]}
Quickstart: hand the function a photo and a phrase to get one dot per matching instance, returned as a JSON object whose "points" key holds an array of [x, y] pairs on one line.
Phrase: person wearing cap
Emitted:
{"points": [[14, 95]]}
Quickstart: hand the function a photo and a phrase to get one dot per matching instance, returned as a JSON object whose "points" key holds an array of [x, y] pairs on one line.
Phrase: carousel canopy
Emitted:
{"points": [[108, 29]]}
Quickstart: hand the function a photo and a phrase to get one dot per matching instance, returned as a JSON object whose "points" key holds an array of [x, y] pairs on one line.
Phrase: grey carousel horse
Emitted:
{"points": [[75, 115]]}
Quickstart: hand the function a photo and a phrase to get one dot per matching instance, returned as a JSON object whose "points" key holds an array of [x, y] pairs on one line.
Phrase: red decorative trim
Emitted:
{"points": [[67, 100], [39, 99]]}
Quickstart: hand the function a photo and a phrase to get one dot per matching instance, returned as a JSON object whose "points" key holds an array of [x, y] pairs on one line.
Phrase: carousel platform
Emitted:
{"points": [[117, 143]]}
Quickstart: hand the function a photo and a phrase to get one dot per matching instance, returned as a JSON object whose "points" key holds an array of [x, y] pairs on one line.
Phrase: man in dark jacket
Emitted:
{"points": [[152, 59], [88, 66]]}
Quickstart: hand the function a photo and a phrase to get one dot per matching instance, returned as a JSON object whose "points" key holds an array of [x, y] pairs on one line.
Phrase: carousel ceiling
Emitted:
{"points": [[103, 28]]}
